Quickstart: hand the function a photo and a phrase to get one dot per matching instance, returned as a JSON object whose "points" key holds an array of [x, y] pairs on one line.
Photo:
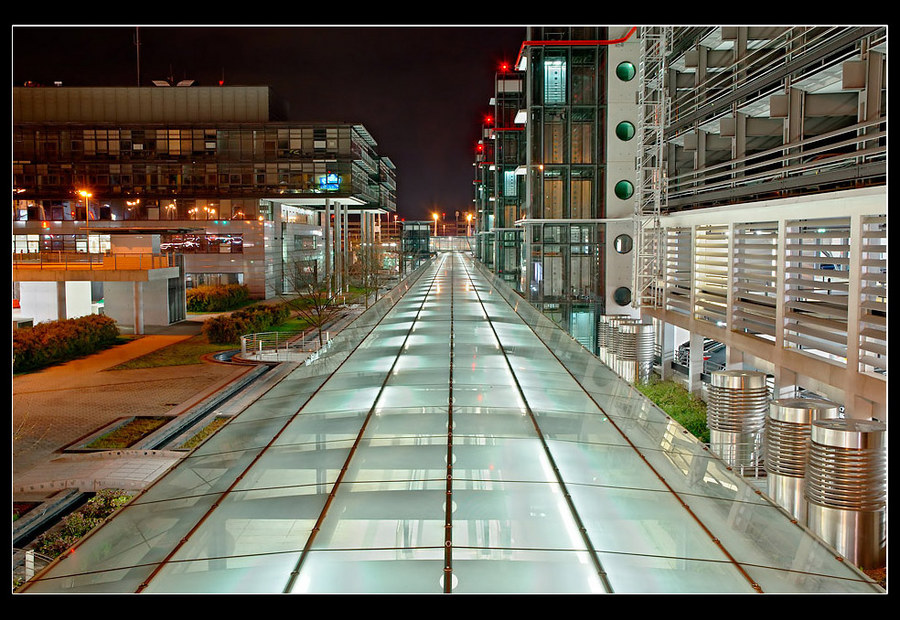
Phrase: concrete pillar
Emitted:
{"points": [[785, 383], [695, 366], [61, 301], [667, 348], [138, 307], [345, 258], [326, 233]]}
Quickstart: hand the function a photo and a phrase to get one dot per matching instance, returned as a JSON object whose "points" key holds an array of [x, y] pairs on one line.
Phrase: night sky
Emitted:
{"points": [[421, 91]]}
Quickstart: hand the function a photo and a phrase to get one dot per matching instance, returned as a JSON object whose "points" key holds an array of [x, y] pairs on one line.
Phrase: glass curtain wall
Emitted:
{"points": [[567, 110]]}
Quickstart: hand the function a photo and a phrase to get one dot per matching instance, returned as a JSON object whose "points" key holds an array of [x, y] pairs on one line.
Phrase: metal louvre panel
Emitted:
{"points": [[678, 270], [873, 289], [711, 274], [754, 277], [817, 281]]}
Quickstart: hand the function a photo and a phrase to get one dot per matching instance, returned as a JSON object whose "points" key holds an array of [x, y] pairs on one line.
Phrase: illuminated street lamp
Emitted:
{"points": [[87, 216], [435, 216], [468, 224]]}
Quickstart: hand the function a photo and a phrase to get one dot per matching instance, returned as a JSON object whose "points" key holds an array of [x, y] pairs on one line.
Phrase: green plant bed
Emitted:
{"points": [[204, 432], [73, 527], [681, 405], [127, 434]]}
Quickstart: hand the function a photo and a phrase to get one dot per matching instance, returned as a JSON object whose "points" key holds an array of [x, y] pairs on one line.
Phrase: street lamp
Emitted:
{"points": [[87, 217], [468, 224], [435, 216]]}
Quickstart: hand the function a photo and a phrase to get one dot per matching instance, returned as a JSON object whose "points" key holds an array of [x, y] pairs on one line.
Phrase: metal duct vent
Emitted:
{"points": [[786, 446], [736, 415], [846, 488], [604, 335], [634, 354]]}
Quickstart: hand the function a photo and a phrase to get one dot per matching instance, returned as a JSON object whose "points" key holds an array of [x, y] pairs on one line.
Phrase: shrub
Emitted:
{"points": [[217, 298], [684, 407], [228, 329], [59, 341], [74, 526]]}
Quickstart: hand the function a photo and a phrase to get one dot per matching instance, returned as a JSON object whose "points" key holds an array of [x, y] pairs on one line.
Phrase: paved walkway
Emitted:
{"points": [[57, 406]]}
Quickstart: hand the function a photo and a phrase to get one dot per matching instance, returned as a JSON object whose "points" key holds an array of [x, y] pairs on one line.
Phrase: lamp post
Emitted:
{"points": [[468, 224], [435, 216], [87, 217]]}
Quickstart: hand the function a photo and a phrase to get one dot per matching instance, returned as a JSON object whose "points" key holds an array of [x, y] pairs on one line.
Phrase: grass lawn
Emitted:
{"points": [[189, 351], [684, 407]]}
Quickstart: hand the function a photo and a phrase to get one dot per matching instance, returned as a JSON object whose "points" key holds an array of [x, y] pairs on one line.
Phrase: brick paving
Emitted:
{"points": [[57, 406]]}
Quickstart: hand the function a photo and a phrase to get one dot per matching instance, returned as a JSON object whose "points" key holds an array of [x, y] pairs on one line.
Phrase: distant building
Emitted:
{"points": [[213, 174]]}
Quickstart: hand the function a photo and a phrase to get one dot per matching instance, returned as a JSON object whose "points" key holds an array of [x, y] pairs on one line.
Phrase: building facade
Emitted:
{"points": [[557, 149], [216, 174], [727, 184]]}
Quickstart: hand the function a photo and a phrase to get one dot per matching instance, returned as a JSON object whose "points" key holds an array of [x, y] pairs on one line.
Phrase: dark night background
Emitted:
{"points": [[421, 91]]}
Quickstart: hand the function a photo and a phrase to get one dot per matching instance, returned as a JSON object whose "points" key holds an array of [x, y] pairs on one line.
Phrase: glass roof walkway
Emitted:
{"points": [[452, 439]]}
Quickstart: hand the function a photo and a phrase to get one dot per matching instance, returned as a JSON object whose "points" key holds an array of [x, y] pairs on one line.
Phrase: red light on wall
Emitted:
{"points": [[45, 224], [504, 66]]}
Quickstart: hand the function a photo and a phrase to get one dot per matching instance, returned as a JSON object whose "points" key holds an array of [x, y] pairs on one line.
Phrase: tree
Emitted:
{"points": [[316, 301], [368, 272]]}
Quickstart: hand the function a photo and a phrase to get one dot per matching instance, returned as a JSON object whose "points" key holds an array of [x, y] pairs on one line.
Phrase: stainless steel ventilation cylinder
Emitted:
{"points": [[634, 352], [786, 446], [846, 488], [605, 335], [736, 410]]}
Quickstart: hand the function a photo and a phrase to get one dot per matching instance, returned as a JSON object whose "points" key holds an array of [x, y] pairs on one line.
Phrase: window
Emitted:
{"points": [[554, 81]]}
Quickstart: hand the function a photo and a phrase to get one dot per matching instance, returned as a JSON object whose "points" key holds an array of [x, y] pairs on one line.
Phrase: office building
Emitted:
{"points": [[216, 175]]}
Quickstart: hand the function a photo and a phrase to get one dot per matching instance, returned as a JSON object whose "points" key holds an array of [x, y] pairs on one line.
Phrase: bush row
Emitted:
{"points": [[74, 526], [217, 298], [228, 329], [59, 341]]}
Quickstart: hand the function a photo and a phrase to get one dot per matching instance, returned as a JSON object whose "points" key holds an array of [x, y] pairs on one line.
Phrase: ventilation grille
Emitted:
{"points": [[873, 290], [678, 270], [711, 274], [817, 283], [754, 280]]}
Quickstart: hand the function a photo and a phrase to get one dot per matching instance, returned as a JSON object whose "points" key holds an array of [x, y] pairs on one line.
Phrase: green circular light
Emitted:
{"points": [[625, 71], [625, 130], [624, 189]]}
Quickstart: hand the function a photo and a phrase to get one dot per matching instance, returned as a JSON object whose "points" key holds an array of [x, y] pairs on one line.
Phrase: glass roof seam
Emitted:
{"points": [[661, 478], [255, 459], [295, 573], [582, 530]]}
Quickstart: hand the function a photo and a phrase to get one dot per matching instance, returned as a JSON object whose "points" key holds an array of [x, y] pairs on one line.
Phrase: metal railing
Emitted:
{"points": [[282, 346], [91, 261]]}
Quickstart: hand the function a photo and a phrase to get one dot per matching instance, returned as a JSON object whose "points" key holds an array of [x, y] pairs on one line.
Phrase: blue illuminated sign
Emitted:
{"points": [[330, 182]]}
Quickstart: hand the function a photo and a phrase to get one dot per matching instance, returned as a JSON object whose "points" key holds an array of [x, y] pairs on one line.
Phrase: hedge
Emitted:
{"points": [[53, 342], [74, 526], [228, 329], [217, 298]]}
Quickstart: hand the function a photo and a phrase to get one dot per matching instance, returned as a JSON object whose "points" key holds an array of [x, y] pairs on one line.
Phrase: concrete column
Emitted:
{"points": [[345, 258], [695, 366], [326, 233], [138, 307], [338, 249], [785, 383], [61, 301], [667, 347]]}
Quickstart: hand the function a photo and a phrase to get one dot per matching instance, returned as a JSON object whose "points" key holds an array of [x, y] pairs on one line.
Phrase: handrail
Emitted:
{"points": [[85, 260]]}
